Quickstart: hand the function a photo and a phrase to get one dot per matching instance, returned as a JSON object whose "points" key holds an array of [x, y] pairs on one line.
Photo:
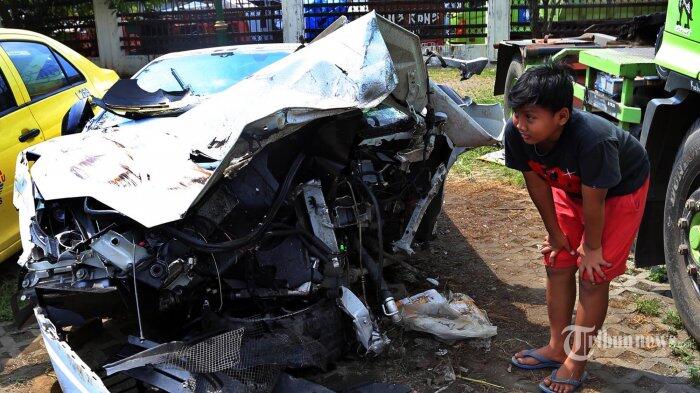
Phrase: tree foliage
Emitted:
{"points": [[541, 16], [41, 15]]}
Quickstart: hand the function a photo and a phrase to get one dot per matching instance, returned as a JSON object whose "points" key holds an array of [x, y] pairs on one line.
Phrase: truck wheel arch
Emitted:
{"points": [[665, 125], [507, 53]]}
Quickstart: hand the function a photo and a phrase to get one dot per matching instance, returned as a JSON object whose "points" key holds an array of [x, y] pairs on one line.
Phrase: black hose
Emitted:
{"points": [[375, 274], [310, 241], [286, 230], [256, 233], [377, 212], [315, 251]]}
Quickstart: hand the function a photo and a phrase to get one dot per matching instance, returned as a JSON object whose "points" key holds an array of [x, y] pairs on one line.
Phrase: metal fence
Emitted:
{"points": [[169, 26], [70, 22], [435, 22], [571, 17]]}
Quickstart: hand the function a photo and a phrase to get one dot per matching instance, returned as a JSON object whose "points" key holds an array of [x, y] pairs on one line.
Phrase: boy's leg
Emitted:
{"points": [[561, 283], [560, 296], [591, 310]]}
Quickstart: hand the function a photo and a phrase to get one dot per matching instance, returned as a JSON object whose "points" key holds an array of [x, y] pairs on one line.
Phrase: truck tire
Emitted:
{"points": [[515, 71], [681, 258]]}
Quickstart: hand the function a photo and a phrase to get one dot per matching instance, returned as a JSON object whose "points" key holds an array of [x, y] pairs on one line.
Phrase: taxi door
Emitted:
{"points": [[18, 130], [50, 81]]}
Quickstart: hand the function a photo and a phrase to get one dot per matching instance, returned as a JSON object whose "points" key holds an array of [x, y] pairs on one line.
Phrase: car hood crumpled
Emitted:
{"points": [[145, 169]]}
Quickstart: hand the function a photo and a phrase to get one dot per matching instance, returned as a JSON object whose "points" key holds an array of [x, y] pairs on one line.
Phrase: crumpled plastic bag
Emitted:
{"points": [[455, 318]]}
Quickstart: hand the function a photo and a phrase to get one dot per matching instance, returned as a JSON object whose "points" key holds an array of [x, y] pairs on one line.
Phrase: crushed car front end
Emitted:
{"points": [[213, 250]]}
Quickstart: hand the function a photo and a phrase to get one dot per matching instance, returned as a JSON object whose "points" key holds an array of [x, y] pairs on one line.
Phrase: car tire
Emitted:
{"points": [[515, 71], [684, 180]]}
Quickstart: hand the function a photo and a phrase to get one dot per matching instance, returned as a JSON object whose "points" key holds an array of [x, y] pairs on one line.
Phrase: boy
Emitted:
{"points": [[589, 181]]}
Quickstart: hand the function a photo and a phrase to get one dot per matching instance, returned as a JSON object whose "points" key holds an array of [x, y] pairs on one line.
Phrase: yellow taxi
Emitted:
{"points": [[40, 79]]}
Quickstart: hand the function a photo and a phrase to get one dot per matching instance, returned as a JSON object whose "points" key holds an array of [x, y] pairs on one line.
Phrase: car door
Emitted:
{"points": [[18, 130], [51, 82]]}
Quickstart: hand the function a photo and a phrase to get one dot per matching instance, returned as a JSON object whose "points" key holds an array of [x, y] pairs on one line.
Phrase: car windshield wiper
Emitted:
{"points": [[182, 84], [223, 54]]}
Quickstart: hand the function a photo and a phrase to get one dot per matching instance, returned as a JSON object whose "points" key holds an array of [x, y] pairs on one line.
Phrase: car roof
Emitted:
{"points": [[248, 48], [6, 33]]}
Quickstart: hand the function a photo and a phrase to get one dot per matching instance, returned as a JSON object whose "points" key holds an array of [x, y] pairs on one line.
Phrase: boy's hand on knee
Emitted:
{"points": [[554, 244], [592, 263]]}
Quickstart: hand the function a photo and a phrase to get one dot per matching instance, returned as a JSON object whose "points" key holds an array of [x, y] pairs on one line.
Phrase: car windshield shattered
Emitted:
{"points": [[246, 237], [172, 84], [204, 74]]}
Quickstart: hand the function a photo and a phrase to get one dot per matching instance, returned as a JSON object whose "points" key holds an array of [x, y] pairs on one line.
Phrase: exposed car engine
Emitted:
{"points": [[277, 264]]}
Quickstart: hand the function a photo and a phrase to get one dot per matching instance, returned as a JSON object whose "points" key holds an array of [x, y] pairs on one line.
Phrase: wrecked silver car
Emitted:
{"points": [[213, 250]]}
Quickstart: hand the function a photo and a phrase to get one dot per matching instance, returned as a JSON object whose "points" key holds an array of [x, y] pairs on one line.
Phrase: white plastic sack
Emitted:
{"points": [[455, 318]]}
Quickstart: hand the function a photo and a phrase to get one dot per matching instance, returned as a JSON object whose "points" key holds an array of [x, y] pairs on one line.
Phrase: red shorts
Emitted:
{"points": [[623, 215]]}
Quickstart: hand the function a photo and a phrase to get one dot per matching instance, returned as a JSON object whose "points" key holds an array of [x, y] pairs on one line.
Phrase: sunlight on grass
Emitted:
{"points": [[478, 87], [469, 164]]}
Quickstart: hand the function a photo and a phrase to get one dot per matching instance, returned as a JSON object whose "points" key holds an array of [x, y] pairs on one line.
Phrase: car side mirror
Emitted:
{"points": [[77, 116]]}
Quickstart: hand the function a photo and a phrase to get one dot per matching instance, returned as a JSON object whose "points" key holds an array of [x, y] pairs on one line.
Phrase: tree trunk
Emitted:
{"points": [[535, 25]]}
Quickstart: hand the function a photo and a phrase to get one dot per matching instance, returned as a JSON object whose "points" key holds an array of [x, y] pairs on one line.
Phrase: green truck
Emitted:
{"points": [[653, 92]]}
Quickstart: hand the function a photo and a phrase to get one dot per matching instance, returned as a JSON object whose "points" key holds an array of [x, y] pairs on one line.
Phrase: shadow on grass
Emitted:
{"points": [[9, 273]]}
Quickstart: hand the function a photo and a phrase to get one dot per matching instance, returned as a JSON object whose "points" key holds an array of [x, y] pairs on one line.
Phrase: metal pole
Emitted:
{"points": [[220, 26]]}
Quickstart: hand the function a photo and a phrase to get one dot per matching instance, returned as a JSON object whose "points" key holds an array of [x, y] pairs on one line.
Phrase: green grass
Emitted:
{"points": [[694, 372], [468, 164], [673, 319], [478, 87], [684, 350], [658, 274], [9, 271], [648, 307], [8, 287]]}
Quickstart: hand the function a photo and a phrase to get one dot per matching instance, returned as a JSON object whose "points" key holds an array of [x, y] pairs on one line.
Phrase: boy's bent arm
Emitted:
{"points": [[591, 250], [541, 194], [593, 215]]}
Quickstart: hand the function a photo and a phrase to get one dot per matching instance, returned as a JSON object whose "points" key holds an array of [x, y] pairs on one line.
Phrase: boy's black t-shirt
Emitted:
{"points": [[591, 151]]}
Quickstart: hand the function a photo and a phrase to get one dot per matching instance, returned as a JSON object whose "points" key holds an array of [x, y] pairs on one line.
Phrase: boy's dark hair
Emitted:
{"points": [[549, 85]]}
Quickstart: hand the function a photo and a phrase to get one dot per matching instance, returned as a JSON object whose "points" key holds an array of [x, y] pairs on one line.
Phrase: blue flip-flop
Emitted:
{"points": [[576, 383], [543, 361]]}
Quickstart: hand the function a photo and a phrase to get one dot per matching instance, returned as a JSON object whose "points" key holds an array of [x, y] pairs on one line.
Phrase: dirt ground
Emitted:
{"points": [[486, 247]]}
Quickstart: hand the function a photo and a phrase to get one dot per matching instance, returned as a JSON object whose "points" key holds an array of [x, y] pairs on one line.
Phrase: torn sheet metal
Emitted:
{"points": [[126, 97], [319, 214], [404, 244], [489, 117], [462, 129], [365, 328], [144, 169], [70, 370], [211, 355]]}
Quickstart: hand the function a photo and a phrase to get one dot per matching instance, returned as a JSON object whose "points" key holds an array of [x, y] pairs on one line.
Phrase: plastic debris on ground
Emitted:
{"points": [[456, 317], [496, 157]]}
